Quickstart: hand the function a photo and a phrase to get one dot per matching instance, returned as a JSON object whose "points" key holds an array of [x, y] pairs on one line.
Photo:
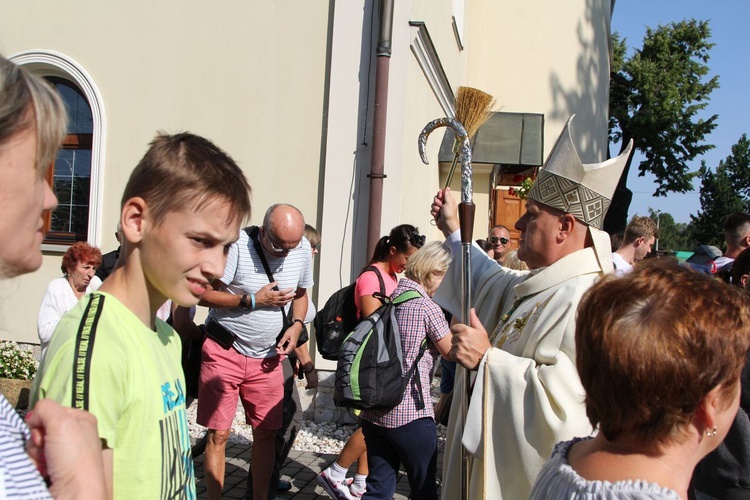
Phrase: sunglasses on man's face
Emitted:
{"points": [[495, 240], [277, 248]]}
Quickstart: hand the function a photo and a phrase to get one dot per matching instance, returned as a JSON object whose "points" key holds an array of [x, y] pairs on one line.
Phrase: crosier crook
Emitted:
{"points": [[466, 221], [465, 151]]}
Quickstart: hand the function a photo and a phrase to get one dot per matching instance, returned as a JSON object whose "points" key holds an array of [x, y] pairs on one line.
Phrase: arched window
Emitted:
{"points": [[78, 173], [71, 175]]}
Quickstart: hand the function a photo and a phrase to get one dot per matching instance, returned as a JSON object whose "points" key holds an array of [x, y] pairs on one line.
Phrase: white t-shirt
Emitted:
{"points": [[257, 330], [722, 261], [621, 267]]}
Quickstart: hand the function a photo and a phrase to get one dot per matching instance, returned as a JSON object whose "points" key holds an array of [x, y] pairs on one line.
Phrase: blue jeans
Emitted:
{"points": [[448, 371], [414, 445]]}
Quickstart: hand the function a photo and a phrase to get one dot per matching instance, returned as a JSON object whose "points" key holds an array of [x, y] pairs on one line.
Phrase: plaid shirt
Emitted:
{"points": [[417, 319]]}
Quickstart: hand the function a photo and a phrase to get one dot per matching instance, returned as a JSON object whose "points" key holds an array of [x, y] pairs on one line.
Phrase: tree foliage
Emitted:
{"points": [[738, 167], [655, 98], [723, 191], [673, 236]]}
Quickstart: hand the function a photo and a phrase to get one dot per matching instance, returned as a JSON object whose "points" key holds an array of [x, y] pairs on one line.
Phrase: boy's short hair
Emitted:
{"points": [[29, 101], [640, 227], [736, 227], [312, 235], [185, 169], [651, 344]]}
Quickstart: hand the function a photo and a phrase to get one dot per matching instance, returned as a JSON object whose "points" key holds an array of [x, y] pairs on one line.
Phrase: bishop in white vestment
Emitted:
{"points": [[527, 395]]}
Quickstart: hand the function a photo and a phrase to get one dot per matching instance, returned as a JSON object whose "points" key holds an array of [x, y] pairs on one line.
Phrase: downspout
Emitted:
{"points": [[382, 69]]}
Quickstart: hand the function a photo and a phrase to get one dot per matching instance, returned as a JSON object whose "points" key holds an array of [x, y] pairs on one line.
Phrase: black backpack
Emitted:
{"points": [[338, 318], [370, 372]]}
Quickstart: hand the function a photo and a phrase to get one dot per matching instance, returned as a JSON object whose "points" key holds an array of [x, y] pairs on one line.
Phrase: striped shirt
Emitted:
{"points": [[257, 330], [18, 475], [417, 319]]}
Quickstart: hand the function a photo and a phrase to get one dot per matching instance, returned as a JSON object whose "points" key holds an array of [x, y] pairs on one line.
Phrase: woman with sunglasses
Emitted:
{"points": [[389, 259], [499, 239]]}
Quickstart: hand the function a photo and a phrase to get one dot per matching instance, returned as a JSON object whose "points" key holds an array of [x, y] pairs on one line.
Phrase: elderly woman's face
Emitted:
{"points": [[80, 276], [24, 196]]}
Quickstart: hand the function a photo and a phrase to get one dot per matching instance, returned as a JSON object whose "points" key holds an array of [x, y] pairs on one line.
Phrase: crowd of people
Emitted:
{"points": [[593, 374]]}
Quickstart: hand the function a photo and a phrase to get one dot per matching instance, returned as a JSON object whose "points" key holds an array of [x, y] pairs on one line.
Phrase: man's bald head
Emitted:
{"points": [[283, 227], [283, 216]]}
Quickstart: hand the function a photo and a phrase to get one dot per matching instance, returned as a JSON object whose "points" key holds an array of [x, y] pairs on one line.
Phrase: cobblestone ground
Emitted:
{"points": [[317, 445], [301, 470]]}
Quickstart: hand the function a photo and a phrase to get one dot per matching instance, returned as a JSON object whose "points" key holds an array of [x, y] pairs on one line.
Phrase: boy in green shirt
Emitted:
{"points": [[182, 208]]}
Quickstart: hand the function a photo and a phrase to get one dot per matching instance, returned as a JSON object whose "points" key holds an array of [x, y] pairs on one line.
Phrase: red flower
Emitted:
{"points": [[511, 191], [518, 178]]}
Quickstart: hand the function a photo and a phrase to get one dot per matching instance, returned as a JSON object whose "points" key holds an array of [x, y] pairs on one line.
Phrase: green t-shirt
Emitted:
{"points": [[131, 378]]}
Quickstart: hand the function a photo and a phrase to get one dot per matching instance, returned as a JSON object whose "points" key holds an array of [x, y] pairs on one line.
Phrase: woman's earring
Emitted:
{"points": [[711, 433]]}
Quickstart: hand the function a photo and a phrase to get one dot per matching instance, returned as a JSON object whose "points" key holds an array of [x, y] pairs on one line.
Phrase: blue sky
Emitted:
{"points": [[729, 60]]}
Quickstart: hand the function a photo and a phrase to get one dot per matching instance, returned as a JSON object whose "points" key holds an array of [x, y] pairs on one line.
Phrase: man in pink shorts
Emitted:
{"points": [[247, 335]]}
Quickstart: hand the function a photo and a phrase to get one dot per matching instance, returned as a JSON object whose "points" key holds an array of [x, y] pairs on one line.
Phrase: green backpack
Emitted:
{"points": [[370, 373]]}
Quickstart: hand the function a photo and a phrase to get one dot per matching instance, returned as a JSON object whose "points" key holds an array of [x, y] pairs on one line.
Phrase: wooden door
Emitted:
{"points": [[508, 209]]}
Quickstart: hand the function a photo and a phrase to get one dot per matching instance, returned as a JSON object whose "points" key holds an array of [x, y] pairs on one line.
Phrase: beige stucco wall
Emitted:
{"points": [[545, 57], [248, 75], [409, 185], [282, 86]]}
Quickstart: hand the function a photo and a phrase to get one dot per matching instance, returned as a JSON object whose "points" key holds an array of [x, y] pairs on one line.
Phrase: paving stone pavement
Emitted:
{"points": [[301, 469]]}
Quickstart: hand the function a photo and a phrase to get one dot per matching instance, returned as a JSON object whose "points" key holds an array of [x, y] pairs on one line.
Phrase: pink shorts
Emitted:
{"points": [[227, 374]]}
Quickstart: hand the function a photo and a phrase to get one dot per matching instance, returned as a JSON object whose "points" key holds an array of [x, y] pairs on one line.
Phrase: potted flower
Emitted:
{"points": [[525, 182], [17, 369]]}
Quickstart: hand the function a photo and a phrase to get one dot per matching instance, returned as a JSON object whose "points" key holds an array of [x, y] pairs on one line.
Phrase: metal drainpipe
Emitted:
{"points": [[378, 140]]}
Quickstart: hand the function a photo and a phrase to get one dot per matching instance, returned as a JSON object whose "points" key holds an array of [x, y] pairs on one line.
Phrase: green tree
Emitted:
{"points": [[655, 98], [673, 235], [738, 166], [723, 191]]}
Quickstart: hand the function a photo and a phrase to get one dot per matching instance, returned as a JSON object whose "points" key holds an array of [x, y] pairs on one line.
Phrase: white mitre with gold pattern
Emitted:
{"points": [[585, 191]]}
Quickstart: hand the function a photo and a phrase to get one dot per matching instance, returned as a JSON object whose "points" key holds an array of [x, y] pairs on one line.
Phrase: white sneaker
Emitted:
{"points": [[338, 490], [356, 491]]}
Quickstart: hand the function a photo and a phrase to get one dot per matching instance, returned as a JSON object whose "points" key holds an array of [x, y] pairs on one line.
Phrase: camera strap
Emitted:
{"points": [[252, 233]]}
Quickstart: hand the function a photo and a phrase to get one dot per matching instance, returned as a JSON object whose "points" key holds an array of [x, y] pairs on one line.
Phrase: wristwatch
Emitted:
{"points": [[244, 303], [298, 321]]}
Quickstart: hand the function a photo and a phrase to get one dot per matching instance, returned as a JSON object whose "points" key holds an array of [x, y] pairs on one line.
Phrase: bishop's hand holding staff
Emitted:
{"points": [[469, 342]]}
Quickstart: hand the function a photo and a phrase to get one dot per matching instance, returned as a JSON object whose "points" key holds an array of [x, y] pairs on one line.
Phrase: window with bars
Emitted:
{"points": [[71, 175]]}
